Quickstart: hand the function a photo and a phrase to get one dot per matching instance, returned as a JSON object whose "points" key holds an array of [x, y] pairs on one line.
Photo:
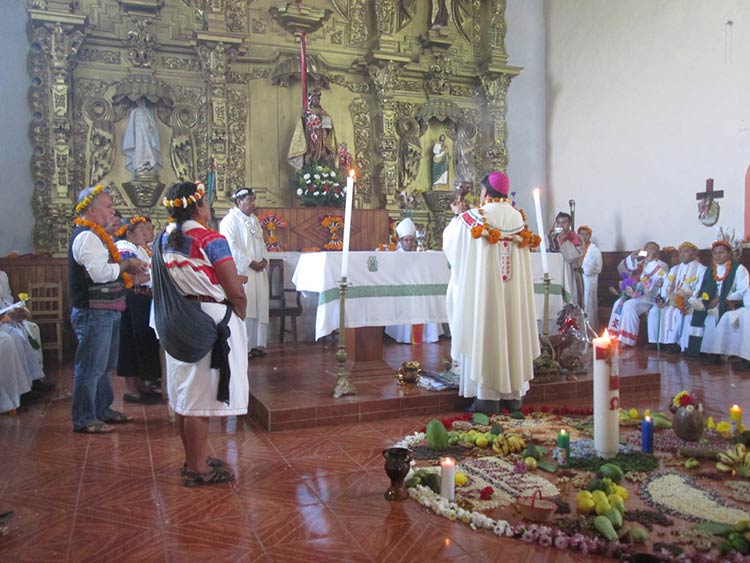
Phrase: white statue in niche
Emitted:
{"points": [[141, 144]]}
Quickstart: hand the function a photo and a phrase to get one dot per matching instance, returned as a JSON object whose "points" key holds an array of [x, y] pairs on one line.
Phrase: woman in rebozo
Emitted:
{"points": [[200, 264]]}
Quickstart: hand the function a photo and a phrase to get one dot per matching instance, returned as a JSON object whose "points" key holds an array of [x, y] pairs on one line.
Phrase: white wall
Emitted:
{"points": [[645, 100], [16, 219], [525, 44]]}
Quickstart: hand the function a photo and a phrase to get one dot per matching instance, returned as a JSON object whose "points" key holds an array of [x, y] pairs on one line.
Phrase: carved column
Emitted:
{"points": [[57, 36], [384, 79], [215, 52], [496, 128]]}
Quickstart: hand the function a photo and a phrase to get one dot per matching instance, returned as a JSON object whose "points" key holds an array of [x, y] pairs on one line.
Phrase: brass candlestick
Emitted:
{"points": [[545, 364], [343, 385]]}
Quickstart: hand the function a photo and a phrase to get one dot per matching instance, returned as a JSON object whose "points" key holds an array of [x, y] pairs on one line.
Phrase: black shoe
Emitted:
{"points": [[742, 365], [30, 397], [42, 386], [711, 360], [141, 398], [485, 407], [512, 405]]}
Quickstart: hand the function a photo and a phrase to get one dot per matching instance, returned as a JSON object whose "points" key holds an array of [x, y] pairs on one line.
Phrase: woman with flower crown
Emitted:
{"points": [[200, 264], [139, 361]]}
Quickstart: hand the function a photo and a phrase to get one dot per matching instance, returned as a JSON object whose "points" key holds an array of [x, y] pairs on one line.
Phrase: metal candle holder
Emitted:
{"points": [[343, 385], [545, 363]]}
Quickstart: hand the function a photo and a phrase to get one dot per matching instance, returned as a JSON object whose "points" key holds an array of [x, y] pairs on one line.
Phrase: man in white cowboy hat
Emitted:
{"points": [[411, 334], [244, 233], [490, 299]]}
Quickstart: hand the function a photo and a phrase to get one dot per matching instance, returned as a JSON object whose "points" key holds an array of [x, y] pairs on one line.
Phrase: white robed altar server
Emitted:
{"points": [[31, 328], [639, 297], [244, 233], [669, 321], [731, 336], [490, 299], [591, 267], [408, 334]]}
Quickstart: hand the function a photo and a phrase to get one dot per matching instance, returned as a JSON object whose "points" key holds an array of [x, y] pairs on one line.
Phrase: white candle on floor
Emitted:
{"points": [[347, 223], [606, 399], [447, 478]]}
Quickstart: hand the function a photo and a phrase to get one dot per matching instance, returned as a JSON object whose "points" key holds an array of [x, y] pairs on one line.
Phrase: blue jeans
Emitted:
{"points": [[98, 334]]}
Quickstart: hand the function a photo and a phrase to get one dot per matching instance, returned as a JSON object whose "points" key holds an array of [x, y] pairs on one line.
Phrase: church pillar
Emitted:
{"points": [[495, 126], [384, 78], [215, 52]]}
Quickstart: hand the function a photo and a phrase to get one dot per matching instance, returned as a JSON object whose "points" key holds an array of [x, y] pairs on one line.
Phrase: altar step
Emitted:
{"points": [[292, 387]]}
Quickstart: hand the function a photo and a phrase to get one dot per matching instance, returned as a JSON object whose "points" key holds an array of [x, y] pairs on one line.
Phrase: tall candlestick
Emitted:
{"points": [[647, 435], [447, 478], [540, 229], [606, 399], [563, 448], [347, 223], [735, 418]]}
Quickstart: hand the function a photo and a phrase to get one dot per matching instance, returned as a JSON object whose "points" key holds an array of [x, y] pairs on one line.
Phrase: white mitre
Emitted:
{"points": [[406, 228]]}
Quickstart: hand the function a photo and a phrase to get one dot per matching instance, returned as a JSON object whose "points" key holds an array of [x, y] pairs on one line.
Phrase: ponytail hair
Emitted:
{"points": [[180, 191]]}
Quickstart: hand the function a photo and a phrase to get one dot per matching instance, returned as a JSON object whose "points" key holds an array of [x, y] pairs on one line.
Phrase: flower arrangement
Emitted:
{"points": [[318, 185], [687, 400], [334, 224], [200, 190], [271, 222], [119, 233]]}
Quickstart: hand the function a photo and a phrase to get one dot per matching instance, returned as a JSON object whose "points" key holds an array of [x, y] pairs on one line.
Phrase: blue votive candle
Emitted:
{"points": [[647, 435]]}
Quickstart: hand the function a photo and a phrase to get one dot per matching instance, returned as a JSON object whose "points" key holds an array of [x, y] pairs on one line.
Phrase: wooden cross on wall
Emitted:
{"points": [[710, 194]]}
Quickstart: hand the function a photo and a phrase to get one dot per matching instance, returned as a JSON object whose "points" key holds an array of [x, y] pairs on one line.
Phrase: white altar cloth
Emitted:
{"points": [[389, 288]]}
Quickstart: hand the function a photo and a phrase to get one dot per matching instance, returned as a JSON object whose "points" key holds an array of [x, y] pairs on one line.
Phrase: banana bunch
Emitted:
{"points": [[511, 444], [736, 458]]}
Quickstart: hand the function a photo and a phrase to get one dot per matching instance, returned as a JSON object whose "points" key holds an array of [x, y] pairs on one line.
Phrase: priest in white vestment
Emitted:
{"points": [[411, 334], [669, 321], [591, 267], [731, 337], [490, 299], [244, 233], [20, 317], [638, 297]]}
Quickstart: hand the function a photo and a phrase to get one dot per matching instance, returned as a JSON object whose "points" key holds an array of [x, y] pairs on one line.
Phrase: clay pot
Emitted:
{"points": [[688, 424]]}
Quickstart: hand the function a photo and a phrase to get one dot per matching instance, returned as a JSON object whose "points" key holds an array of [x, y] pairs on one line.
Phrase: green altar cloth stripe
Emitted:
{"points": [[364, 291], [554, 289]]}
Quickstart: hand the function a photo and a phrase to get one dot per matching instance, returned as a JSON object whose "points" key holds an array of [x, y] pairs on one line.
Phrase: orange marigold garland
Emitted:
{"points": [[334, 224], [108, 242], [382, 247], [271, 222], [134, 221]]}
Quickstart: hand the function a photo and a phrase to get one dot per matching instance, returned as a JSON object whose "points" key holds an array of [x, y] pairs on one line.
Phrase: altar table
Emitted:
{"points": [[389, 288]]}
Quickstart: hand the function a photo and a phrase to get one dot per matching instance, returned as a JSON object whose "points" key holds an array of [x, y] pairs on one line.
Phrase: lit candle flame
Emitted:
{"points": [[351, 173], [447, 461]]}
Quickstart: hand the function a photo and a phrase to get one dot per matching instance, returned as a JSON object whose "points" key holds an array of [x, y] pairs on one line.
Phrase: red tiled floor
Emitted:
{"points": [[310, 494]]}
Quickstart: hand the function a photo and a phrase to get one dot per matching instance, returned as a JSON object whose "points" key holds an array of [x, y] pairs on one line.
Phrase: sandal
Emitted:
{"points": [[194, 479], [117, 417], [210, 461], [96, 428]]}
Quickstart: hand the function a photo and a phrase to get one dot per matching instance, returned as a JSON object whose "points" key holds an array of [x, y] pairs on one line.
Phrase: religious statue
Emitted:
{"points": [[345, 158], [708, 207], [440, 158], [410, 150], [141, 144], [440, 14], [314, 140], [464, 154]]}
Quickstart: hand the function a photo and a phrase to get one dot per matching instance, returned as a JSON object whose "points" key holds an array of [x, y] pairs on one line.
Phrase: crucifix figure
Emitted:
{"points": [[708, 208]]}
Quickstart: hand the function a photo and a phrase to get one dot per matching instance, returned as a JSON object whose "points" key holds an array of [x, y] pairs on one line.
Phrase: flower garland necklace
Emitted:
{"points": [[728, 267], [107, 240]]}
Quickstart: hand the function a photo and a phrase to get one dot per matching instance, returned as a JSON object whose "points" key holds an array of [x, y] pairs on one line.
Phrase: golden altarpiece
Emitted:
{"points": [[216, 83]]}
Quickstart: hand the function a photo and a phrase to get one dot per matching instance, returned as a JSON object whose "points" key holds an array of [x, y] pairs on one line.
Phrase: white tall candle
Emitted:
{"points": [[540, 230], [347, 223], [447, 478], [606, 400]]}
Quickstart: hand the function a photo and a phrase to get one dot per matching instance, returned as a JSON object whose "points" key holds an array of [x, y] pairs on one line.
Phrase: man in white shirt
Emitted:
{"points": [[591, 267], [244, 234], [97, 294]]}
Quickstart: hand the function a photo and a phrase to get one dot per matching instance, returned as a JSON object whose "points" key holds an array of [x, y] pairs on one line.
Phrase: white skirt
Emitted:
{"points": [[192, 387]]}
